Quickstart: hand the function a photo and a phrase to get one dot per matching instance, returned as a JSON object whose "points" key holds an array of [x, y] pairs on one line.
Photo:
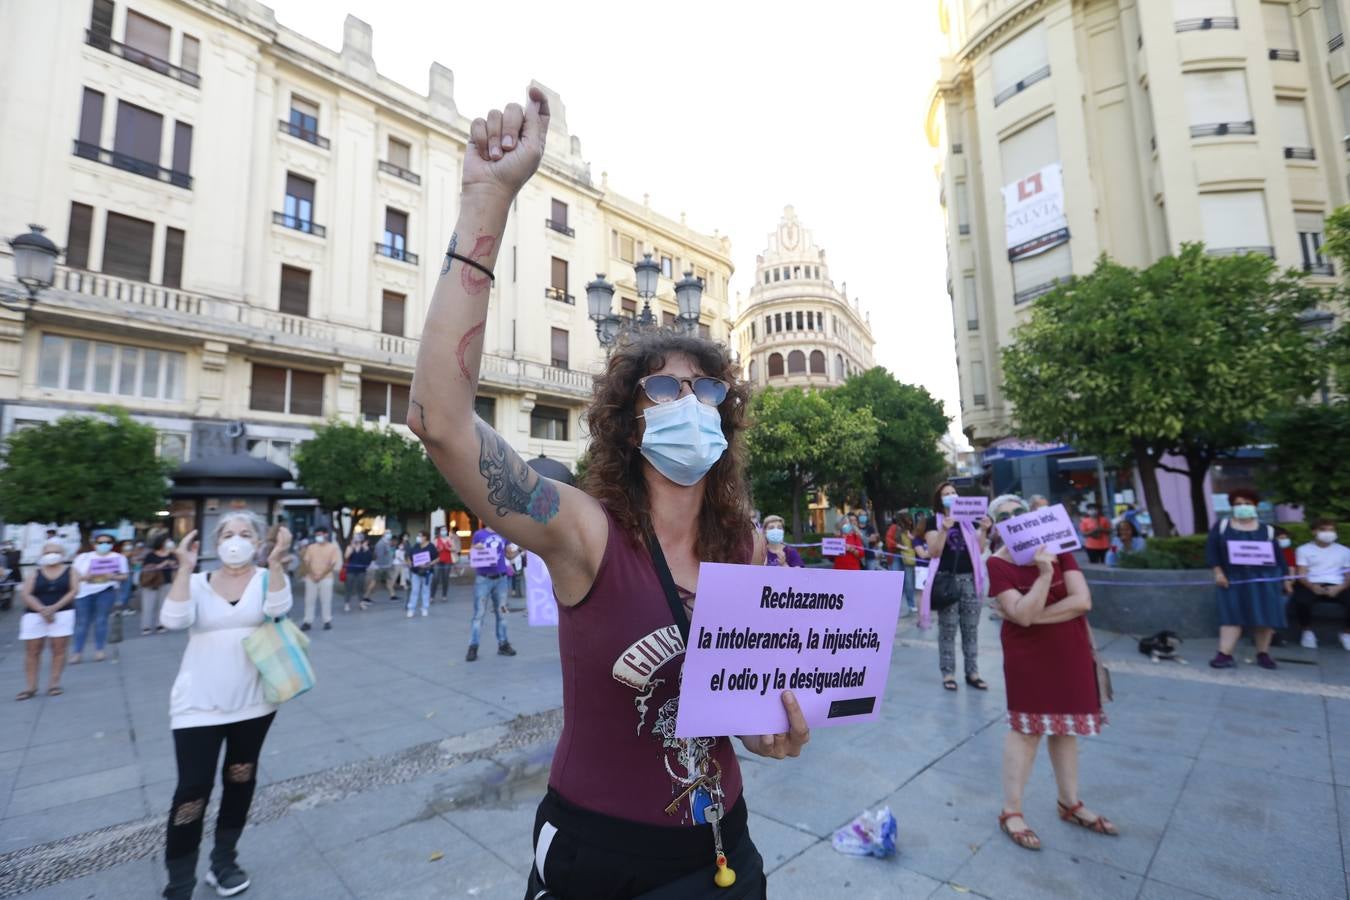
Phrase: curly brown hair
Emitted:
{"points": [[614, 476]]}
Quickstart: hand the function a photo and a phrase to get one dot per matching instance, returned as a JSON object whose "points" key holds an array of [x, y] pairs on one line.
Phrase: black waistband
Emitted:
{"points": [[498, 575], [640, 838]]}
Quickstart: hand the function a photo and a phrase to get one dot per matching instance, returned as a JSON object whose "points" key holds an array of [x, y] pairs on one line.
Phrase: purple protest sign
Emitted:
{"points": [[540, 603], [823, 634], [422, 559], [1024, 534], [834, 546], [482, 557], [1251, 553], [105, 565], [968, 509]]}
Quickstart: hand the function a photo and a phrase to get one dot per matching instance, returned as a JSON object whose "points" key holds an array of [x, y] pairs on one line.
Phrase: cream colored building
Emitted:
{"points": [[253, 225], [1069, 129], [795, 327]]}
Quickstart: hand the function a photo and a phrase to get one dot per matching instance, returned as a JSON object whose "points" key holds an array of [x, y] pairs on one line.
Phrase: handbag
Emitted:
{"points": [[278, 649], [152, 579], [946, 591], [1105, 693]]}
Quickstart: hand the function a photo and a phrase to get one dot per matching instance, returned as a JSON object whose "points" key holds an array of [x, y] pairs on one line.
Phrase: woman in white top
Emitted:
{"points": [[218, 697], [101, 575]]}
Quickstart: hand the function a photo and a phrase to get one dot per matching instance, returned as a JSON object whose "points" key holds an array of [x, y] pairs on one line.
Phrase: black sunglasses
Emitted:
{"points": [[1015, 511], [666, 388]]}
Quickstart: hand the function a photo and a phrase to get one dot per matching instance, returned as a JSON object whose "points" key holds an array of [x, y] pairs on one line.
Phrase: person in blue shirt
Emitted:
{"points": [[489, 584], [1126, 540]]}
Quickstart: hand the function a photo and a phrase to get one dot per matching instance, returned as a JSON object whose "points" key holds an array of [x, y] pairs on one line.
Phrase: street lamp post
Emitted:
{"points": [[609, 328], [1318, 323], [34, 267]]}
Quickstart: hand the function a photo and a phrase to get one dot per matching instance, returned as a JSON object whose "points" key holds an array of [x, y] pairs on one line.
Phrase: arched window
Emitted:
{"points": [[817, 362], [796, 362], [754, 371], [839, 366], [775, 364]]}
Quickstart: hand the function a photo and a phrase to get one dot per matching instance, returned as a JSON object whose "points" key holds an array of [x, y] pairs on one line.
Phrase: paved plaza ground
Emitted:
{"points": [[410, 773]]}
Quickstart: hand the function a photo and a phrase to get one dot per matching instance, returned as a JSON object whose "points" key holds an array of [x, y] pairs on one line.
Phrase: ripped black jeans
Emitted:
{"points": [[198, 749]]}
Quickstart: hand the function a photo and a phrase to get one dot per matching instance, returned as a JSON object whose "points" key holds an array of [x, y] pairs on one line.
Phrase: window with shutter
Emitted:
{"points": [[1017, 63], [1035, 276], [374, 400], [1235, 221], [704, 331], [391, 313], [1279, 26], [1310, 227], [77, 236], [1293, 117], [91, 123], [558, 213], [1216, 102], [667, 319], [796, 362], [629, 306], [972, 302], [267, 391], [558, 352], [1029, 150], [145, 34], [305, 114], [294, 300], [101, 18], [558, 276], [775, 364], [548, 423], [626, 248], [127, 245], [306, 393], [190, 56], [173, 257], [137, 140], [299, 202], [395, 231], [978, 384], [398, 403], [400, 153], [485, 408], [182, 148]]}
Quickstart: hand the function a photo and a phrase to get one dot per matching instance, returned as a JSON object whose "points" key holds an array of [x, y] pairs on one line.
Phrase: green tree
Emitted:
{"points": [[1306, 464], [801, 441], [906, 463], [1337, 248], [92, 470], [1183, 358]]}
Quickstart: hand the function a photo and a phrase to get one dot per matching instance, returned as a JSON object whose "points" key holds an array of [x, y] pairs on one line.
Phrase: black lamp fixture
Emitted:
{"points": [[609, 327], [34, 267]]}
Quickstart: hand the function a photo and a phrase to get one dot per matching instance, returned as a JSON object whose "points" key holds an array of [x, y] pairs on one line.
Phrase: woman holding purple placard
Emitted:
{"points": [[1050, 673], [1248, 571], [955, 586]]}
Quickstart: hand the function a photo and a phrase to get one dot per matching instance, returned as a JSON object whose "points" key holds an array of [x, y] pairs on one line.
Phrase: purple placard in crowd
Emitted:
{"points": [[1251, 553], [482, 557], [834, 546], [968, 509], [1024, 534], [422, 559], [540, 603], [825, 635], [105, 565]]}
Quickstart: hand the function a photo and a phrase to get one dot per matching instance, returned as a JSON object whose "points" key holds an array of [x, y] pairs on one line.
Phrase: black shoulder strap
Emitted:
{"points": [[668, 584]]}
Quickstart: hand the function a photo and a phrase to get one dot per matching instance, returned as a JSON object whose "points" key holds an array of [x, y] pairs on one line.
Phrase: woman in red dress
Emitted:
{"points": [[852, 556], [1050, 675]]}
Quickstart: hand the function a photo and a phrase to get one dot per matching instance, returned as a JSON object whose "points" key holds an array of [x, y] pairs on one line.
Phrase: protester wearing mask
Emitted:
{"points": [[489, 587], [382, 568], [779, 553], [47, 594], [321, 561], [956, 552], [157, 571], [357, 564], [852, 557], [217, 697], [630, 809], [1323, 577], [1126, 540], [1250, 594], [871, 539], [900, 543], [1286, 544], [447, 549], [1096, 532], [422, 564], [101, 572]]}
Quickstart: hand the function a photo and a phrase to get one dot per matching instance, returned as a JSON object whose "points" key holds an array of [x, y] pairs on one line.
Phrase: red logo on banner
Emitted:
{"points": [[1029, 187]]}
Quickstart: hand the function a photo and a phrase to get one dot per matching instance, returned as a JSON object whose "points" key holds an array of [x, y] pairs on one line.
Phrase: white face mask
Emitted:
{"points": [[1326, 537], [51, 559], [1284, 543], [235, 550], [103, 549], [320, 538], [169, 545]]}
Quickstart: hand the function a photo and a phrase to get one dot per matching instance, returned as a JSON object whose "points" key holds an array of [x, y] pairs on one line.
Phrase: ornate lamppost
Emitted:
{"points": [[609, 328], [34, 267]]}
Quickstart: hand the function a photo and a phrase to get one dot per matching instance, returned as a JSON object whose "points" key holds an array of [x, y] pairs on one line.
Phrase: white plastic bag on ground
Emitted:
{"points": [[870, 834]]}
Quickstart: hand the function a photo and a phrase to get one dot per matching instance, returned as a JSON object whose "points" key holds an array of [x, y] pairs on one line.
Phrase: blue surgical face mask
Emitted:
{"points": [[774, 535], [948, 500], [1244, 511], [683, 439], [847, 529], [862, 520]]}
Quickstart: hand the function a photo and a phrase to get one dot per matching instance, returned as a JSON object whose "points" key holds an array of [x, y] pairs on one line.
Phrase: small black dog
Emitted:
{"points": [[1160, 646]]}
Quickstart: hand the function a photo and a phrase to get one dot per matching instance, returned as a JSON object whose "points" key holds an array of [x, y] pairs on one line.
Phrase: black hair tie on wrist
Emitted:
{"points": [[479, 266]]}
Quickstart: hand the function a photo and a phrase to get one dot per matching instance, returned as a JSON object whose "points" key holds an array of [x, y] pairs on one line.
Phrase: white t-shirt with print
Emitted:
{"points": [[95, 571]]}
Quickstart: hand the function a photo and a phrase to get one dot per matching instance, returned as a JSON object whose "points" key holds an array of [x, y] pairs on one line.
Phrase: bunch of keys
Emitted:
{"points": [[726, 876]]}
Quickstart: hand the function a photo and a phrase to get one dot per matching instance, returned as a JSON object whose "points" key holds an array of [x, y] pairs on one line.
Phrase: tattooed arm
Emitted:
{"points": [[563, 525]]}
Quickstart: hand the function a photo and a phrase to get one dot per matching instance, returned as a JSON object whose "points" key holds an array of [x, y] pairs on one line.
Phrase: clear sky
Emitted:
{"points": [[728, 111]]}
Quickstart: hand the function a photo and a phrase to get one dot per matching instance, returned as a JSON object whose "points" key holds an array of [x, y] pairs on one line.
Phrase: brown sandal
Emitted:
{"points": [[1101, 825], [25, 695], [1025, 837]]}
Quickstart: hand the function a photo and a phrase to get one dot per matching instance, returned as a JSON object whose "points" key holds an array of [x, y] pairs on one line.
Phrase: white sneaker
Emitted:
{"points": [[410, 613], [1309, 640], [1345, 641], [424, 612]]}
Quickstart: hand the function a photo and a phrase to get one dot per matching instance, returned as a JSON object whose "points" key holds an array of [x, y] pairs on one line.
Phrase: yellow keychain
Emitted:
{"points": [[726, 875]]}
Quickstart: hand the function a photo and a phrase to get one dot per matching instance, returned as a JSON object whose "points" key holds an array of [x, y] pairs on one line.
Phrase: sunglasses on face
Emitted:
{"points": [[1015, 511], [666, 388]]}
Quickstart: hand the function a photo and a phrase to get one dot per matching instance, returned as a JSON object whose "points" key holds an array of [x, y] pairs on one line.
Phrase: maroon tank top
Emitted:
{"points": [[622, 657]]}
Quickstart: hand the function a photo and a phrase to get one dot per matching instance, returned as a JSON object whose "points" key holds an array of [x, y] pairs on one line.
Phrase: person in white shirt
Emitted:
{"points": [[1323, 577], [217, 697], [101, 575]]}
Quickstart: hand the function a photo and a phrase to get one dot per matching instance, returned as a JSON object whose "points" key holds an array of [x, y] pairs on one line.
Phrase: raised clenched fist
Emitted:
{"points": [[505, 147]]}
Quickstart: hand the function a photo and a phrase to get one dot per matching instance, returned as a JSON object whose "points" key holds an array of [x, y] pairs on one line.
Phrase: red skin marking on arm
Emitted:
{"points": [[474, 281], [463, 348]]}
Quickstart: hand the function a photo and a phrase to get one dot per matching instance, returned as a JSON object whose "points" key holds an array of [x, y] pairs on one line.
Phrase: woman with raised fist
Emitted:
{"points": [[631, 810]]}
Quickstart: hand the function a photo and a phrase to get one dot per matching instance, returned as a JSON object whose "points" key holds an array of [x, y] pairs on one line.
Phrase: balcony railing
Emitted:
{"points": [[1031, 293], [958, 149], [1008, 93], [972, 324], [1220, 129], [140, 57], [299, 224], [1207, 24], [400, 172], [978, 399], [393, 252], [963, 229], [1336, 43], [1319, 268], [560, 295], [304, 134], [127, 163], [1284, 55], [1241, 251], [561, 227], [1300, 153]]}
